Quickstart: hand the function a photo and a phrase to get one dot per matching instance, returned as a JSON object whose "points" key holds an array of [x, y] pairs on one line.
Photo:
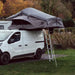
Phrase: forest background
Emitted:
{"points": [[61, 8]]}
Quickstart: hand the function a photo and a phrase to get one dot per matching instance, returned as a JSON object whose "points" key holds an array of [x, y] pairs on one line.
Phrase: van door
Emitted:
{"points": [[15, 43], [28, 42]]}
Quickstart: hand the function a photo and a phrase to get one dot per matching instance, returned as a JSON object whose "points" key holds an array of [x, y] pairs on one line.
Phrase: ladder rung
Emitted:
{"points": [[47, 39], [49, 48]]}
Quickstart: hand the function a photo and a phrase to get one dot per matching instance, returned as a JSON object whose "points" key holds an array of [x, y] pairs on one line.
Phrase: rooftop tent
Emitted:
{"points": [[31, 19]]}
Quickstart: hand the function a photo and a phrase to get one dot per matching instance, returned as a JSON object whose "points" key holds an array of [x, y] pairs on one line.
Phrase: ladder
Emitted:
{"points": [[51, 54]]}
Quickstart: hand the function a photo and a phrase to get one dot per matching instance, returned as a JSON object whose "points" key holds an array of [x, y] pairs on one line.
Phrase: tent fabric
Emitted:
{"points": [[31, 19], [32, 12]]}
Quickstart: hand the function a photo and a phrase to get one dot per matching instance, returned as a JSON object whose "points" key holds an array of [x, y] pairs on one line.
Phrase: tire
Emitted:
{"points": [[38, 54], [5, 58]]}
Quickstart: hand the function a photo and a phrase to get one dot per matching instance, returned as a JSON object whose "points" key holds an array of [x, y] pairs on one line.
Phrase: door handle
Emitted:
{"points": [[26, 45], [20, 45]]}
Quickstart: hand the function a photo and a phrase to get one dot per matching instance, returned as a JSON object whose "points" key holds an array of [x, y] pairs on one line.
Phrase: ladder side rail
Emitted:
{"points": [[47, 46], [50, 42], [52, 51]]}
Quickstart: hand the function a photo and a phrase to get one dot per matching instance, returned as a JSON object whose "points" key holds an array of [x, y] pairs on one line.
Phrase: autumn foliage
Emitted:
{"points": [[59, 8], [1, 7], [11, 7]]}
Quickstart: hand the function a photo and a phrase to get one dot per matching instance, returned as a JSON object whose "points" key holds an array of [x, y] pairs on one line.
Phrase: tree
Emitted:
{"points": [[1, 8], [56, 7], [3, 1], [13, 6], [10, 7], [46, 6], [69, 23], [70, 4]]}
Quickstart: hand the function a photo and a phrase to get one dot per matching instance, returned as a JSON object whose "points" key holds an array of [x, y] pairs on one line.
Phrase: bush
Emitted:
{"points": [[68, 23], [70, 29], [64, 40]]}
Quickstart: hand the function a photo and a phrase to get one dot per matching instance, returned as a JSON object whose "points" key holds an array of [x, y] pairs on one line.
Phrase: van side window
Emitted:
{"points": [[1, 27], [14, 38]]}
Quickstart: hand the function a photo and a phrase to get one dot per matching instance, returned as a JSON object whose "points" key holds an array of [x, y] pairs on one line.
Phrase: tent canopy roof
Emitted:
{"points": [[34, 13], [36, 18]]}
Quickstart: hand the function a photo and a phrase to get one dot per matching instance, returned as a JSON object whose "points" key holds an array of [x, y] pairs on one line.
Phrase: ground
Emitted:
{"points": [[66, 66]]}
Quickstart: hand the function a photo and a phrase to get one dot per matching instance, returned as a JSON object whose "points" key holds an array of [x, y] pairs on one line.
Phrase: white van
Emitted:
{"points": [[20, 43], [5, 24]]}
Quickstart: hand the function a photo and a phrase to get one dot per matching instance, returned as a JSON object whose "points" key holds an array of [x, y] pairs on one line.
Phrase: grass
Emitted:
{"points": [[70, 52], [66, 66]]}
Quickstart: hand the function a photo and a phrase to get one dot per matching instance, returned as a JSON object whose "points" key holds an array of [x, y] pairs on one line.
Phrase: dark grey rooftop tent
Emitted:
{"points": [[31, 19]]}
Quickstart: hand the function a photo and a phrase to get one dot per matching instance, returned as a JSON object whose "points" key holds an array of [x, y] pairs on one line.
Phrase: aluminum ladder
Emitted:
{"points": [[50, 50]]}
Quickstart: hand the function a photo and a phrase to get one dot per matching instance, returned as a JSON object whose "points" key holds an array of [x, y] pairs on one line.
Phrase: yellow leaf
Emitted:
{"points": [[1, 6]]}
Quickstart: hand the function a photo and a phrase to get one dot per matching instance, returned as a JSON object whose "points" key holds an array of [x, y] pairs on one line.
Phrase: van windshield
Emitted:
{"points": [[4, 35]]}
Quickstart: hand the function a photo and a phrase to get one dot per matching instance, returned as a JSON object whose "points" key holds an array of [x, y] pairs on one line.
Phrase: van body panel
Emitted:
{"points": [[5, 24], [26, 43]]}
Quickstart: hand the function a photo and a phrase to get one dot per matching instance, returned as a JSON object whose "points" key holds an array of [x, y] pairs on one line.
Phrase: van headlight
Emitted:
{"points": [[0, 44]]}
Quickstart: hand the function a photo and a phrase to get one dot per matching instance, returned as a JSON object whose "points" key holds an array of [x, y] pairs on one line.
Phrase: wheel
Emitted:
{"points": [[5, 58], [38, 54]]}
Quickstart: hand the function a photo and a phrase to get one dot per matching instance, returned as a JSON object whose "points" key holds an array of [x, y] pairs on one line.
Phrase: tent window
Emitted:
{"points": [[20, 22]]}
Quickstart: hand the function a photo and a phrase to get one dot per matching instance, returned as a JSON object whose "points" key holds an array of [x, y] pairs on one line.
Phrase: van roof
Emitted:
{"points": [[5, 22], [9, 30]]}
